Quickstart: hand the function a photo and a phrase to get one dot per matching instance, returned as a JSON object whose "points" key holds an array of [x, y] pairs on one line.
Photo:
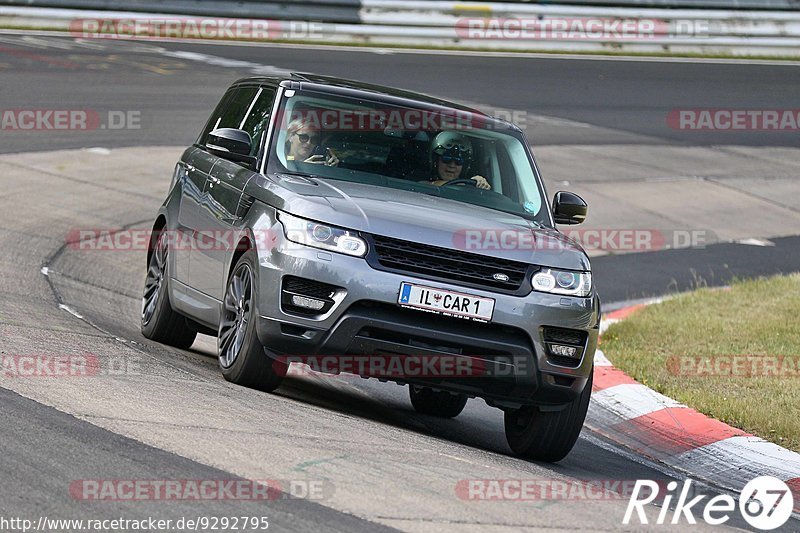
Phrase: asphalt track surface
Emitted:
{"points": [[361, 435], [44, 447], [173, 86]]}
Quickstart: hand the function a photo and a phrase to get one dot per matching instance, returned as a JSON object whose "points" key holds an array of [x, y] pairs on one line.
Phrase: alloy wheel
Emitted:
{"points": [[154, 283], [236, 311]]}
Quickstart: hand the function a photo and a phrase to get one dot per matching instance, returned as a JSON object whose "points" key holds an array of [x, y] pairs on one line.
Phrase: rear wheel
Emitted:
{"points": [[242, 358], [436, 403], [160, 322], [545, 435]]}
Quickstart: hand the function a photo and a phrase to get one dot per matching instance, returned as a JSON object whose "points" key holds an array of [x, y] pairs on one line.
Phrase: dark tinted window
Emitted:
{"points": [[230, 111], [238, 105], [257, 121], [215, 117], [246, 109]]}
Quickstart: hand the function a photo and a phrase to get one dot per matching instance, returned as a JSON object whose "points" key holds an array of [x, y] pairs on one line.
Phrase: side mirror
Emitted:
{"points": [[231, 144], [569, 208]]}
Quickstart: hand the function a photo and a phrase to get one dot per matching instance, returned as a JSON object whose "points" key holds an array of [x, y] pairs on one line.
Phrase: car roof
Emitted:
{"points": [[348, 87]]}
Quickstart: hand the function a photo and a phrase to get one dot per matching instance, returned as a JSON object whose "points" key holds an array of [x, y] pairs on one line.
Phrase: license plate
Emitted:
{"points": [[446, 302]]}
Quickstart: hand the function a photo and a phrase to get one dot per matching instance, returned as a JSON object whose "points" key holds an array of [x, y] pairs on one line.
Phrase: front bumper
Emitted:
{"points": [[366, 320]]}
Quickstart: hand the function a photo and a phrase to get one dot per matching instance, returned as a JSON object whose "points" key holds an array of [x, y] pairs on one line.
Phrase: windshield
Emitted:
{"points": [[444, 152]]}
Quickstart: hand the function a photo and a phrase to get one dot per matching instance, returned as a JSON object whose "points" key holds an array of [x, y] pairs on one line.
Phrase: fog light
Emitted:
{"points": [[308, 303], [563, 351]]}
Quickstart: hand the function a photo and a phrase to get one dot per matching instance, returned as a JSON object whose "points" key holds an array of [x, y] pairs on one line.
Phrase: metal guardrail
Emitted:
{"points": [[347, 10], [782, 5], [322, 10], [482, 26]]}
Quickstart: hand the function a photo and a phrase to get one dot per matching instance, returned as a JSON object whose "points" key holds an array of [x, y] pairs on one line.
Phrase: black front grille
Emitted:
{"points": [[443, 263], [569, 337], [308, 287], [565, 336]]}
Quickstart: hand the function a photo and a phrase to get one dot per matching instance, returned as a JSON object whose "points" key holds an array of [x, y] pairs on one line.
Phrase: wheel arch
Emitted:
{"points": [[158, 225], [245, 243]]}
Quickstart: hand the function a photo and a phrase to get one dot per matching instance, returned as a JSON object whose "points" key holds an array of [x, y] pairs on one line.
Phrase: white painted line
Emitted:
{"points": [[755, 242], [632, 400], [99, 150], [255, 68], [70, 310]]}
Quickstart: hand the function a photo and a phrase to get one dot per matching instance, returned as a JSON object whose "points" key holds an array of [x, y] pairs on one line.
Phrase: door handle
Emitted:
{"points": [[190, 168], [214, 180]]}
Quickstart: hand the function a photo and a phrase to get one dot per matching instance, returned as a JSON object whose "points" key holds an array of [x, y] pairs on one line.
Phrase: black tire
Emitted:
{"points": [[436, 403], [242, 358], [544, 435], [160, 322]]}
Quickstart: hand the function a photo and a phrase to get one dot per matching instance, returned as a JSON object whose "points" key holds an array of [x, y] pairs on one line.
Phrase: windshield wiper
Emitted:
{"points": [[537, 223], [298, 174]]}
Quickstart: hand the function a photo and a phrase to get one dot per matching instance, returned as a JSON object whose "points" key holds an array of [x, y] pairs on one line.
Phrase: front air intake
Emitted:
{"points": [[307, 296], [564, 347]]}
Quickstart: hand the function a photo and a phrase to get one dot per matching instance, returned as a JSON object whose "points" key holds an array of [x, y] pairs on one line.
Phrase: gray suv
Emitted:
{"points": [[361, 229]]}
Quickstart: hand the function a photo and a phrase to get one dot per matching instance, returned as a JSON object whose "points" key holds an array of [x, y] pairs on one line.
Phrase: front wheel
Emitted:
{"points": [[436, 403], [242, 358], [160, 322], [545, 435]]}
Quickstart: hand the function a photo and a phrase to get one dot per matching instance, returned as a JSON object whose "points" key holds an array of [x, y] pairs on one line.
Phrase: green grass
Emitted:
{"points": [[754, 318]]}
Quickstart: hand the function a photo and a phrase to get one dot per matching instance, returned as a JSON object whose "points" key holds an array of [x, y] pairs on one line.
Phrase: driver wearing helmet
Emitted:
{"points": [[452, 152]]}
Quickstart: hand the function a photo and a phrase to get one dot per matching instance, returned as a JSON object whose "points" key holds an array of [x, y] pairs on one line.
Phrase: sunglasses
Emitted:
{"points": [[457, 159], [305, 137]]}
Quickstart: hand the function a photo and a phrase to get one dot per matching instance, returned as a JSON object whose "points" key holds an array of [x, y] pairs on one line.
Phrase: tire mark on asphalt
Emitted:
{"points": [[84, 182], [61, 304]]}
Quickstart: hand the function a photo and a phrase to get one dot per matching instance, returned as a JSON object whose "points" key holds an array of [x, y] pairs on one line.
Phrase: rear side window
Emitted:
{"points": [[237, 107], [215, 117], [256, 121], [231, 110]]}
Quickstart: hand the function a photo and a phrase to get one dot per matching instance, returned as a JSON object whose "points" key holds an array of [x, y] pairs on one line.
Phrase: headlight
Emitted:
{"points": [[322, 236], [562, 282]]}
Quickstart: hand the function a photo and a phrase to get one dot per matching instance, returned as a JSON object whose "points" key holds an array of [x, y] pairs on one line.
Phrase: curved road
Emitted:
{"points": [[155, 413]]}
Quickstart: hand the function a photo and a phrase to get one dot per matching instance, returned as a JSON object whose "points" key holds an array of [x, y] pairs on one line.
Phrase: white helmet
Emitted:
{"points": [[452, 144]]}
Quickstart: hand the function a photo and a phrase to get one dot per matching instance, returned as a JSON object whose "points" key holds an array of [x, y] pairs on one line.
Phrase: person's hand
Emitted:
{"points": [[332, 160], [482, 183]]}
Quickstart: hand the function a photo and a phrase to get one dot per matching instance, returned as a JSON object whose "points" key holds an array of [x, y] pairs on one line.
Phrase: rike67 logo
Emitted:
{"points": [[765, 503]]}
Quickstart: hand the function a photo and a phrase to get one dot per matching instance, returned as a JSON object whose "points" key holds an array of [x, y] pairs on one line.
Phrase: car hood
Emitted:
{"points": [[425, 219]]}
